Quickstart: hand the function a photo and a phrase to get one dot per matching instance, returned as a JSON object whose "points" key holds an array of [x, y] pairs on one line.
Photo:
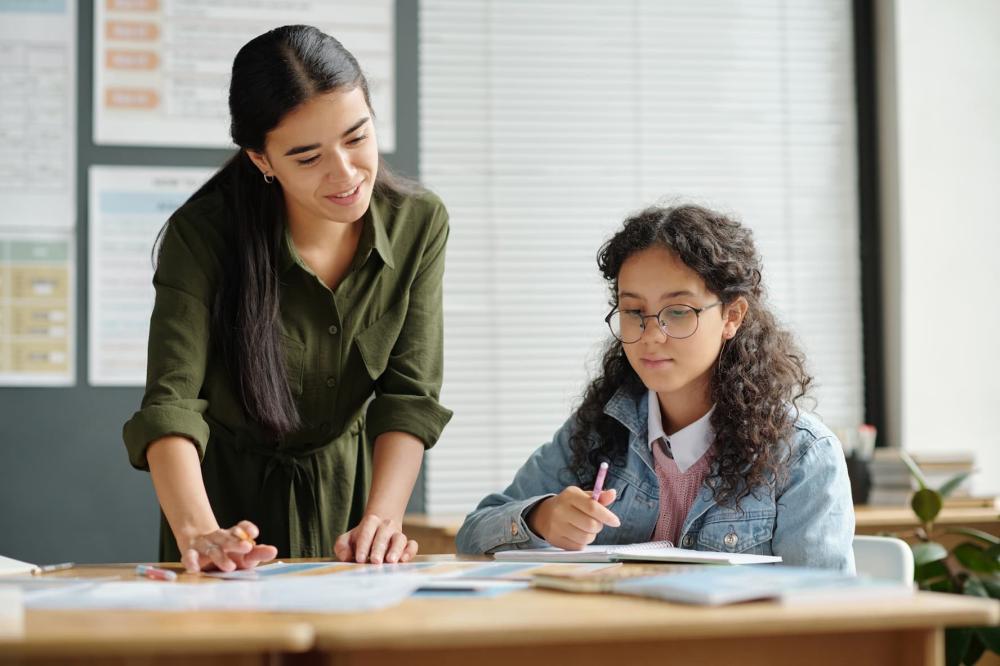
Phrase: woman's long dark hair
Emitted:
{"points": [[272, 75], [760, 377]]}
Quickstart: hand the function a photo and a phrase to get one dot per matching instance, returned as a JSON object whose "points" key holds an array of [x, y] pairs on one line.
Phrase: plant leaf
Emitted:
{"points": [[974, 558], [975, 588], [954, 482], [956, 644], [976, 649], [925, 572], [914, 469], [928, 551], [985, 537], [943, 585], [990, 636], [992, 586], [926, 504]]}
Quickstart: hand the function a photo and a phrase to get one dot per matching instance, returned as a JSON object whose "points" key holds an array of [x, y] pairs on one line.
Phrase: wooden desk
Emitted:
{"points": [[73, 638], [535, 627], [876, 519], [527, 627]]}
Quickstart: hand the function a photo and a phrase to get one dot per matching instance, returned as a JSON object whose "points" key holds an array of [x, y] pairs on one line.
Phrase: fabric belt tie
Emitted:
{"points": [[301, 469]]}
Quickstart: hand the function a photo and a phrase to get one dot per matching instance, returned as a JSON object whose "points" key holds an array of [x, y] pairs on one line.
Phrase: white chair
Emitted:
{"points": [[883, 557]]}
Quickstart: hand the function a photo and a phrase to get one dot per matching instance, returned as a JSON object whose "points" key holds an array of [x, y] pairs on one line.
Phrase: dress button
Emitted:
{"points": [[331, 381], [730, 539], [687, 541], [513, 529], [333, 330]]}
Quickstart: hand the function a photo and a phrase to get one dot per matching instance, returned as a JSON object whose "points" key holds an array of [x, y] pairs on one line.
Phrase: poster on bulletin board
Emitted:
{"points": [[161, 67], [128, 207], [37, 192]]}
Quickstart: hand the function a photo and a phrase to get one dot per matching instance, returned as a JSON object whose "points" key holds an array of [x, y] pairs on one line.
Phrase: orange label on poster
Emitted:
{"points": [[115, 59], [132, 31], [130, 98], [133, 5]]}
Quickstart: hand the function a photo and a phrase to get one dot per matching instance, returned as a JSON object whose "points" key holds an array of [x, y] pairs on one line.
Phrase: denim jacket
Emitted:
{"points": [[810, 521]]}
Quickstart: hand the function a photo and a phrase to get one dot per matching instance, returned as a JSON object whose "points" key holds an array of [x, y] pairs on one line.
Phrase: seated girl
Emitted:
{"points": [[696, 410]]}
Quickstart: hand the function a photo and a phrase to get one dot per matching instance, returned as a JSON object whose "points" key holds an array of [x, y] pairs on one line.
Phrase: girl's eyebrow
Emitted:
{"points": [[669, 294]]}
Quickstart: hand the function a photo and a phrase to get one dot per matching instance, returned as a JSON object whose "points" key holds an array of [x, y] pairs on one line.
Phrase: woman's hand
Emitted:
{"points": [[375, 540], [572, 519], [226, 550]]}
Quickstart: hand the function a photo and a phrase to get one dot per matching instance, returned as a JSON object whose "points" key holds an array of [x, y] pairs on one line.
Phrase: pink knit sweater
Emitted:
{"points": [[677, 492]]}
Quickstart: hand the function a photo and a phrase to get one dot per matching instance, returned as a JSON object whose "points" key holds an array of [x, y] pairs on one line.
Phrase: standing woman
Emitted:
{"points": [[295, 347]]}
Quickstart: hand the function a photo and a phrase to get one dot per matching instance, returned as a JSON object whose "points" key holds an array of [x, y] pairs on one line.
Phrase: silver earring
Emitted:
{"points": [[268, 178]]}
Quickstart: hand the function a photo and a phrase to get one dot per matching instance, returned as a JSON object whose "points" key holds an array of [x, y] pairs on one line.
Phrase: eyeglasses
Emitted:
{"points": [[675, 321]]}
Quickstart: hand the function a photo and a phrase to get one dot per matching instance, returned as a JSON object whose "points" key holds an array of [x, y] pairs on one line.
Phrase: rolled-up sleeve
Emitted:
{"points": [[407, 392], [177, 351], [500, 522]]}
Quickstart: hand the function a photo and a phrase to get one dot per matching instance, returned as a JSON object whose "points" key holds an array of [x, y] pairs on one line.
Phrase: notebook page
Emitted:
{"points": [[639, 548], [10, 566]]}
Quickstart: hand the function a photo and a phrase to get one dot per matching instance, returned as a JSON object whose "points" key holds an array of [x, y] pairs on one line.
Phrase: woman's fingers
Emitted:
{"points": [[365, 534], [410, 551], [246, 531], [381, 542], [210, 547], [342, 547], [397, 543], [191, 559], [259, 554]]}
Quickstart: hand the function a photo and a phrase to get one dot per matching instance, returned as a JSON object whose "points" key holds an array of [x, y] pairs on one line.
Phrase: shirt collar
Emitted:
{"points": [[688, 444], [373, 237]]}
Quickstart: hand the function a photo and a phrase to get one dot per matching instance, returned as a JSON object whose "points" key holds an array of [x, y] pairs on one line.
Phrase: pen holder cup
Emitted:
{"points": [[861, 478]]}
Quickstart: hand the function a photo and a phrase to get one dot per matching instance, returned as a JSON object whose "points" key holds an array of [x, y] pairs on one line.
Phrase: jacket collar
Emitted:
{"points": [[630, 408]]}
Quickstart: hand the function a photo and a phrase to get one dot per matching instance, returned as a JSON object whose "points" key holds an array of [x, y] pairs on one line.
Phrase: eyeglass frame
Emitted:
{"points": [[663, 329]]}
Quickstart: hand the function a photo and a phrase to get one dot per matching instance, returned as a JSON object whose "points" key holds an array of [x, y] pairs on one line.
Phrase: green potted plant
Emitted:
{"points": [[971, 567]]}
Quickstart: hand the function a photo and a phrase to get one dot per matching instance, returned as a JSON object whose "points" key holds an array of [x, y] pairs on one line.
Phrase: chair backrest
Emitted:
{"points": [[883, 557]]}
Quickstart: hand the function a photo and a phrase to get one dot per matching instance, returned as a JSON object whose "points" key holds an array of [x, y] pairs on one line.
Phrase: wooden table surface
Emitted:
{"points": [[524, 627]]}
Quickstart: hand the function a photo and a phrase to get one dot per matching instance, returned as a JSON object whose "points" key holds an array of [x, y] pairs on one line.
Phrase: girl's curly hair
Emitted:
{"points": [[760, 377]]}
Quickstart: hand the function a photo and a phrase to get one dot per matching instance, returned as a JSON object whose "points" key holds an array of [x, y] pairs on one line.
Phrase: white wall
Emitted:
{"points": [[940, 124]]}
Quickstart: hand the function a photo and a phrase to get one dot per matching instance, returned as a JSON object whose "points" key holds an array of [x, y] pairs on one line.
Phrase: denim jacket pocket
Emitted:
{"points": [[730, 531], [376, 342]]}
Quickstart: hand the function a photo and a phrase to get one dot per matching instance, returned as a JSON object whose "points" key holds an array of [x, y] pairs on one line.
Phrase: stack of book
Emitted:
{"points": [[893, 485]]}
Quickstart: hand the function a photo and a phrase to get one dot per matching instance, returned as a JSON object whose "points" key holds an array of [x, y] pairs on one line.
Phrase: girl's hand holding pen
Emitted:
{"points": [[225, 549], [572, 519]]}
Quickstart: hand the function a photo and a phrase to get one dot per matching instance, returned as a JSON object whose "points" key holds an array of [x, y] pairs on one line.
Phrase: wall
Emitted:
{"points": [[940, 124], [67, 492]]}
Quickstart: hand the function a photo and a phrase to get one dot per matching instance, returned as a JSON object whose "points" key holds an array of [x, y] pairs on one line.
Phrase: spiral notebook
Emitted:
{"points": [[651, 551]]}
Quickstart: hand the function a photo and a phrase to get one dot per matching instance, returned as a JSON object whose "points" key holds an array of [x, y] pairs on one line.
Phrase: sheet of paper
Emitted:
{"points": [[11, 567], [128, 207], [161, 69], [323, 594], [38, 114], [469, 571], [37, 307]]}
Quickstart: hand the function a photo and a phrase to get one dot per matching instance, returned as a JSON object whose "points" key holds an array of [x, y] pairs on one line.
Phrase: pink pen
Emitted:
{"points": [[602, 471], [156, 574]]}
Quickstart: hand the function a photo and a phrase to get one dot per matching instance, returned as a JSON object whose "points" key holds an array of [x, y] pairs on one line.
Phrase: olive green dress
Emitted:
{"points": [[362, 359]]}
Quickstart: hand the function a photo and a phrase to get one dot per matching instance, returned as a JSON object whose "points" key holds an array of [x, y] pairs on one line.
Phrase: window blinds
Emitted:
{"points": [[543, 123]]}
